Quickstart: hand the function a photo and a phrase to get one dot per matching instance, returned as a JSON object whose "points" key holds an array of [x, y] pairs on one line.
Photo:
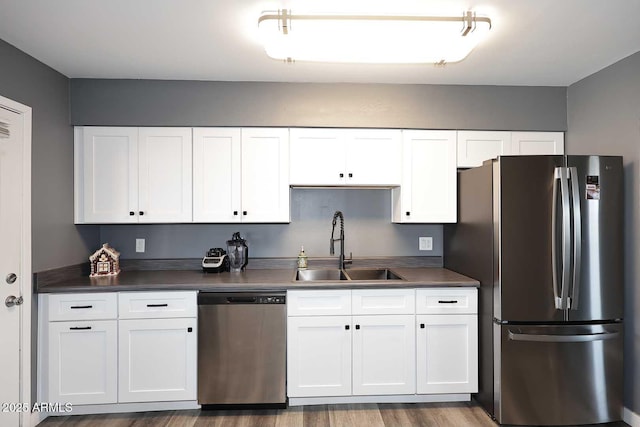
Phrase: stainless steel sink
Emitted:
{"points": [[320, 274], [373, 274]]}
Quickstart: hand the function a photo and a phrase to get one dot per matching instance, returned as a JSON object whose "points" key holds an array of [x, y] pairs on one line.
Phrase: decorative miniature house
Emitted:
{"points": [[105, 262]]}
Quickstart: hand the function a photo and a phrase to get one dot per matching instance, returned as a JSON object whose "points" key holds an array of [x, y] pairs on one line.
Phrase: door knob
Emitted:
{"points": [[11, 301], [11, 278]]}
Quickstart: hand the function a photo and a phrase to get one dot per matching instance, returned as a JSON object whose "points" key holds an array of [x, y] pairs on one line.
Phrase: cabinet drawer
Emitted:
{"points": [[318, 303], [447, 301], [383, 301], [149, 305], [89, 306]]}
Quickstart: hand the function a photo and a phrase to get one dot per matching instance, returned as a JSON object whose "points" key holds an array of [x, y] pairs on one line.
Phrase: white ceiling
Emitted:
{"points": [[532, 42]]}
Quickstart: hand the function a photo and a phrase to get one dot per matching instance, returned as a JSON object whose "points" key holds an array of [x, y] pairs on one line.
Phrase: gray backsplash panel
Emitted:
{"points": [[368, 230]]}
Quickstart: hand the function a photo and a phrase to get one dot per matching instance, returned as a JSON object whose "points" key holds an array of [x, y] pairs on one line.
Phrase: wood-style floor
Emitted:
{"points": [[353, 415]]}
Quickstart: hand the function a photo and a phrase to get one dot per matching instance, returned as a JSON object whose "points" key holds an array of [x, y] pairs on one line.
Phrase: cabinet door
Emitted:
{"points": [[106, 175], [384, 355], [474, 147], [216, 175], [157, 360], [82, 362], [265, 175], [537, 143], [164, 175], [373, 157], [317, 157], [318, 356], [447, 353], [429, 185]]}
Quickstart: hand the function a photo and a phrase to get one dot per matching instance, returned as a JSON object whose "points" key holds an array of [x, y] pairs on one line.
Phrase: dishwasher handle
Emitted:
{"points": [[237, 298]]}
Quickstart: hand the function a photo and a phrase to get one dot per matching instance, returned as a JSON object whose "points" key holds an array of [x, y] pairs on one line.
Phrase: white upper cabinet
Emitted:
{"points": [[265, 175], [535, 143], [106, 174], [216, 174], [131, 175], [474, 147], [345, 157], [428, 190]]}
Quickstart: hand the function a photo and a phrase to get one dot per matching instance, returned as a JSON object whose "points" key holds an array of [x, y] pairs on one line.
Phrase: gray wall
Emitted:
{"points": [[56, 241], [196, 103], [604, 118]]}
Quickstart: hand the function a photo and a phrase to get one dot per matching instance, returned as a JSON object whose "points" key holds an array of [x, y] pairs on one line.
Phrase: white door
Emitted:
{"points": [[107, 162], [157, 360], [537, 143], [15, 274], [474, 147], [216, 175], [373, 157], [384, 355], [317, 156], [265, 175], [318, 356], [164, 175], [447, 353]]}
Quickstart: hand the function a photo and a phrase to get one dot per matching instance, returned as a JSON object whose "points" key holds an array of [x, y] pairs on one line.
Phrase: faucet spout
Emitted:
{"points": [[338, 215]]}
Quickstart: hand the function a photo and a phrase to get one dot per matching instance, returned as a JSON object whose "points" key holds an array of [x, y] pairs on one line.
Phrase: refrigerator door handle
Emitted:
{"points": [[577, 238], [601, 336], [562, 295]]}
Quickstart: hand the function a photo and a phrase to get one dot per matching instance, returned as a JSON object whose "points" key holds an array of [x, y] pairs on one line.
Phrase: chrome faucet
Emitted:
{"points": [[342, 260]]}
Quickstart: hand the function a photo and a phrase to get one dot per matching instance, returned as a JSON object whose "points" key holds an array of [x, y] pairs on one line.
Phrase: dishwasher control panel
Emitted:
{"points": [[270, 299]]}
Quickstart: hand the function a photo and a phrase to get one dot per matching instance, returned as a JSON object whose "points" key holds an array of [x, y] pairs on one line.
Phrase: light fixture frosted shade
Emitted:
{"points": [[371, 39]]}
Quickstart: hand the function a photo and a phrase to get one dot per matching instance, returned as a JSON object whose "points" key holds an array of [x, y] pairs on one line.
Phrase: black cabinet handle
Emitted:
{"points": [[157, 305], [189, 329], [357, 326], [244, 212], [80, 328], [141, 213], [74, 307], [235, 212], [408, 213], [132, 213], [346, 327], [350, 175], [421, 325], [341, 175], [448, 301]]}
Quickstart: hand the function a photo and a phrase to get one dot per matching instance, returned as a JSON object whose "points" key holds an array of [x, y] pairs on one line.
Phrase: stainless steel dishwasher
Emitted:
{"points": [[242, 349]]}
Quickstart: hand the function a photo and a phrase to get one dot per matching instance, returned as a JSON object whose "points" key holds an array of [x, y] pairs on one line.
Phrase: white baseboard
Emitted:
{"points": [[630, 417], [400, 398]]}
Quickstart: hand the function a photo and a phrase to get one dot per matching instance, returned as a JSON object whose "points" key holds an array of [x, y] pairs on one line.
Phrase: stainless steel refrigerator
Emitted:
{"points": [[544, 236]]}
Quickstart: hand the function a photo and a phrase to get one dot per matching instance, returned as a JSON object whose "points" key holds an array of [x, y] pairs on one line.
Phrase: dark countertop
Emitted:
{"points": [[249, 280]]}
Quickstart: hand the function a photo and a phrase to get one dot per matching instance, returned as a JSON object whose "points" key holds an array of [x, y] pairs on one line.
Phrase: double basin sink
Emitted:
{"points": [[334, 275]]}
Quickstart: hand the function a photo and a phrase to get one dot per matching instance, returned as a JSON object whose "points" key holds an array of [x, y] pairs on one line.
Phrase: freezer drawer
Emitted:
{"points": [[558, 375]]}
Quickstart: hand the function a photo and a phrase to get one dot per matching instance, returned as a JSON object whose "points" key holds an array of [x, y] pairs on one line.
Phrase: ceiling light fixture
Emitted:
{"points": [[376, 39]]}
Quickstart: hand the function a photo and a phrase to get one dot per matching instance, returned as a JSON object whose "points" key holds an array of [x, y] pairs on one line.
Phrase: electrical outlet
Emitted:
{"points": [[139, 245], [425, 243]]}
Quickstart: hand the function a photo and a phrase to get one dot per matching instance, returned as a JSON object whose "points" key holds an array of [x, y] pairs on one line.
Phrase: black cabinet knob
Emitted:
{"points": [[341, 175], [350, 175], [346, 327], [141, 213], [235, 212], [408, 213], [132, 213], [421, 325], [357, 326], [244, 212], [189, 329]]}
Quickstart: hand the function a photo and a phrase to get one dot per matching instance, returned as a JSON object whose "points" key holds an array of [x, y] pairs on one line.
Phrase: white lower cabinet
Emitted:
{"points": [[319, 356], [157, 360], [447, 353], [379, 348], [83, 362], [119, 347], [384, 355]]}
